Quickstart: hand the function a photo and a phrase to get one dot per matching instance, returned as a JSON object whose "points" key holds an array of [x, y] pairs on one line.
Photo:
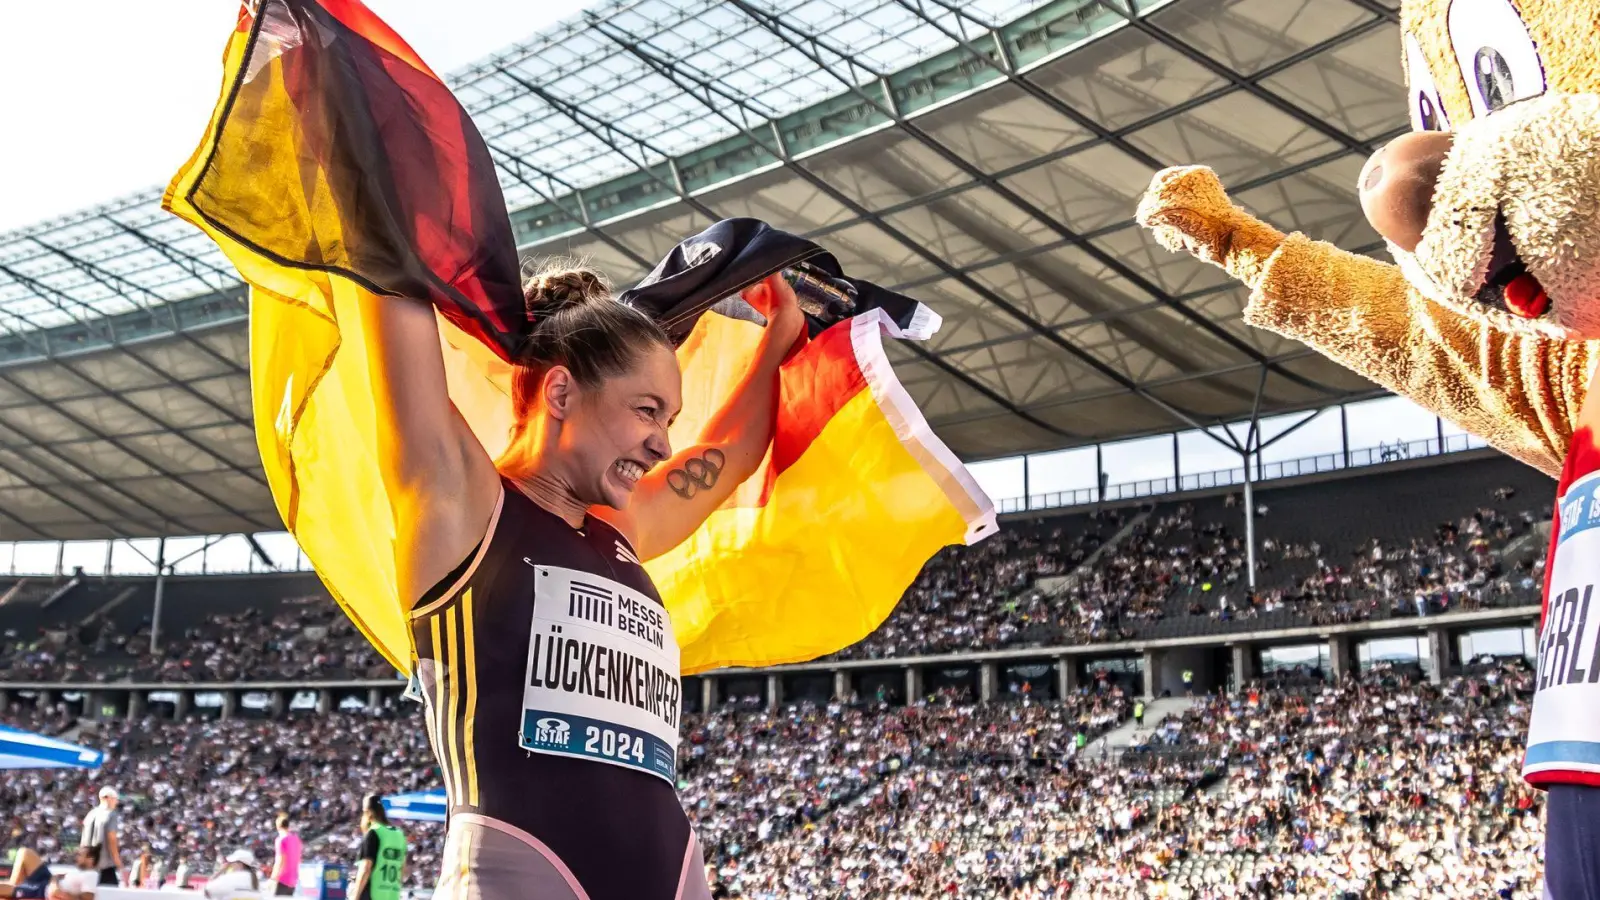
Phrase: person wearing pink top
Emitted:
{"points": [[286, 862]]}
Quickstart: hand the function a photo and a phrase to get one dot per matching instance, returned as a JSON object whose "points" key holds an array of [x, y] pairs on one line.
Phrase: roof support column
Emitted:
{"points": [[161, 586], [1249, 526], [1344, 434], [1027, 493], [1251, 454], [1099, 473]]}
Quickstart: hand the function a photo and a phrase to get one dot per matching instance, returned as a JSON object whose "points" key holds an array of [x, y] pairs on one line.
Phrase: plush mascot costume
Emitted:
{"points": [[1490, 316]]}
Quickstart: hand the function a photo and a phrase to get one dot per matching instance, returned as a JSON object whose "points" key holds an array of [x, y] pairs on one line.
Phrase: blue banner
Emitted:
{"points": [[25, 750]]}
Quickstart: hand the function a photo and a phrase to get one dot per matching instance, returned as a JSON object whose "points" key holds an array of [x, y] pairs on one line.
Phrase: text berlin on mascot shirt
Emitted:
{"points": [[602, 679], [1564, 729]]}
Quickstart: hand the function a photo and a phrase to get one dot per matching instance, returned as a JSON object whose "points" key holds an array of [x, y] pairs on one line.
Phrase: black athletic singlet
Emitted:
{"points": [[533, 824]]}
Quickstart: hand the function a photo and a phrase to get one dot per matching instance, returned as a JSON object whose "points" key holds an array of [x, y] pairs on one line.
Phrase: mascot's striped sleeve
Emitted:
{"points": [[336, 162]]}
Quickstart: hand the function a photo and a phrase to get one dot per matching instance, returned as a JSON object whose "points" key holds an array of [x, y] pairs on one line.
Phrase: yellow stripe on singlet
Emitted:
{"points": [[434, 694], [447, 725], [441, 715], [469, 674]]}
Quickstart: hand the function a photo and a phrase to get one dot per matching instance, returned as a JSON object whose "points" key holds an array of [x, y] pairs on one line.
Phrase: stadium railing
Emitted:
{"points": [[1229, 477]]}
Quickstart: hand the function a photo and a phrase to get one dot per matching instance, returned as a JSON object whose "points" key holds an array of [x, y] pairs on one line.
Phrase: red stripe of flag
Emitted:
{"points": [[359, 19], [816, 384]]}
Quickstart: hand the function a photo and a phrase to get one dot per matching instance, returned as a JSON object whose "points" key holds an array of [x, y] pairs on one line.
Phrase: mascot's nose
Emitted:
{"points": [[1397, 185]]}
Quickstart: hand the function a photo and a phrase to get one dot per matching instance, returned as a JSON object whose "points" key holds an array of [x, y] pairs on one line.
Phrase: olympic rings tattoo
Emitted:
{"points": [[698, 473]]}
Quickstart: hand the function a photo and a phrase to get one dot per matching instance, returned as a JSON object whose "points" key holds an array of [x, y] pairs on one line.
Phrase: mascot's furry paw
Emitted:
{"points": [[1187, 209]]}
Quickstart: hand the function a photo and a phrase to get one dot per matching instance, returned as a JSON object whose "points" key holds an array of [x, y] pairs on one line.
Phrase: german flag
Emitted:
{"points": [[814, 551], [336, 164]]}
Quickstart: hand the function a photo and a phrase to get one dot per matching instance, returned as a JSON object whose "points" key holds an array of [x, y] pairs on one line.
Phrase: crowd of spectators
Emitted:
{"points": [[1383, 786], [1166, 566], [981, 800], [752, 775], [1458, 567], [58, 654], [194, 789], [1378, 786], [307, 637], [298, 638], [1375, 787], [49, 721], [970, 597]]}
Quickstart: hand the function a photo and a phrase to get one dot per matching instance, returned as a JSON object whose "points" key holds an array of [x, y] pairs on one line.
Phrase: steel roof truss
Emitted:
{"points": [[1250, 86], [709, 94], [604, 131], [138, 456], [37, 446], [168, 381], [887, 105]]}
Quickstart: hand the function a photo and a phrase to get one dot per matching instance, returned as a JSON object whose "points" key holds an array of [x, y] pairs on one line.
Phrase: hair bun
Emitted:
{"points": [[562, 287]]}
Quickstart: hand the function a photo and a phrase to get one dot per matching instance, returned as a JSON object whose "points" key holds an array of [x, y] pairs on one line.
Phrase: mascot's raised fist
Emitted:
{"points": [[1187, 209]]}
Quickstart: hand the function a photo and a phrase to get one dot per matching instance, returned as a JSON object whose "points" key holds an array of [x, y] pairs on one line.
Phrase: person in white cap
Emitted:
{"points": [[237, 879], [100, 832]]}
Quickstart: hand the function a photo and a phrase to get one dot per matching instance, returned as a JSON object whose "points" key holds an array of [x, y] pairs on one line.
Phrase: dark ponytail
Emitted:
{"points": [[577, 324], [372, 805]]}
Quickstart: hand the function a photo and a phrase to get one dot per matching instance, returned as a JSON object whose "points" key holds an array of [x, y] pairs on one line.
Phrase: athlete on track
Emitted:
{"points": [[546, 661]]}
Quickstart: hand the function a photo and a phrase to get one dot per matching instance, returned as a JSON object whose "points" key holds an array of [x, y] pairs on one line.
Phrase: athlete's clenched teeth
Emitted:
{"points": [[629, 470]]}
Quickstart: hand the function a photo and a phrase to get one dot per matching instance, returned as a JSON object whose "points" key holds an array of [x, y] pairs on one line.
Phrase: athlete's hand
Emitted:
{"points": [[775, 299], [666, 507]]}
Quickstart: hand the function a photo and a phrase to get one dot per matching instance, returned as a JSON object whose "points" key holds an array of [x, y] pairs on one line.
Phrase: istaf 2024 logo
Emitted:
{"points": [[552, 731]]}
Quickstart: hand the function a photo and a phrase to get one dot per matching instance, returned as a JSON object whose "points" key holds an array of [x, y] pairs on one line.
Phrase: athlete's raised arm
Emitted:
{"points": [[677, 495], [442, 484]]}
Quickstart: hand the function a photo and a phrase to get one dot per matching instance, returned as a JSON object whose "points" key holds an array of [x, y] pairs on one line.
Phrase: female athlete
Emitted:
{"points": [[546, 660]]}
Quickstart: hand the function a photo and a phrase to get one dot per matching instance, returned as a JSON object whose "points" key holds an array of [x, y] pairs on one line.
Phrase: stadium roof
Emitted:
{"points": [[983, 156]]}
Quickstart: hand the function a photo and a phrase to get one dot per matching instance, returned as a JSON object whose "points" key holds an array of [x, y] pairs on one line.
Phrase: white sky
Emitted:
{"points": [[101, 98]]}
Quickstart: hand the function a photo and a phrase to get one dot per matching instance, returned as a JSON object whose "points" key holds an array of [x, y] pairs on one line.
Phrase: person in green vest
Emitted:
{"points": [[382, 868], [1138, 712]]}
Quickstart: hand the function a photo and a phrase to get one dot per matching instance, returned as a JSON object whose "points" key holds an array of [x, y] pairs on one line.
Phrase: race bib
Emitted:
{"points": [[1564, 731], [602, 680]]}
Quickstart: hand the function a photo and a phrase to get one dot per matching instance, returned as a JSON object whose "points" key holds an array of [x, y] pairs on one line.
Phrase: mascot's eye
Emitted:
{"points": [[1427, 113], [1492, 76], [1498, 60]]}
